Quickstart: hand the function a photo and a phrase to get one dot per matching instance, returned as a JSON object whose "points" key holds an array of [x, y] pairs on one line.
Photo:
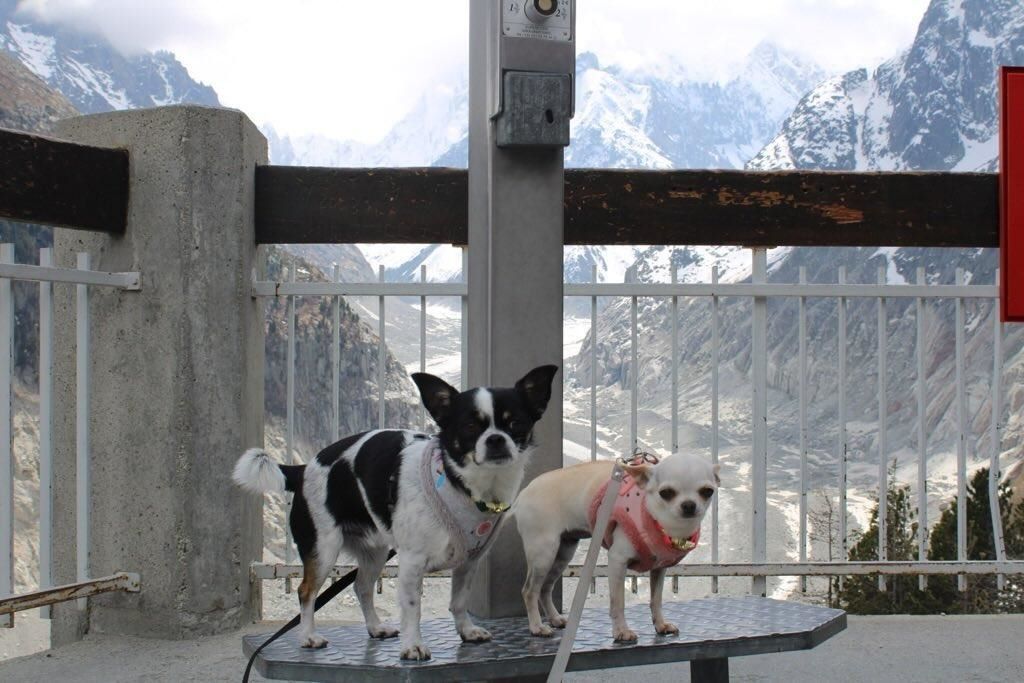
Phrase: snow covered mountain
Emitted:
{"points": [[26, 103], [631, 119], [90, 73], [932, 107], [437, 122], [624, 119], [658, 118]]}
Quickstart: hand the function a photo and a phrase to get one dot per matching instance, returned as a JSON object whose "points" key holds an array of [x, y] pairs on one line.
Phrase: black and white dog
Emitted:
{"points": [[436, 500]]}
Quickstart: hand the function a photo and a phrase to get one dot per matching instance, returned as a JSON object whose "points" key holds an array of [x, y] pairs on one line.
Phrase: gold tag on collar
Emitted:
{"points": [[683, 544], [493, 508]]}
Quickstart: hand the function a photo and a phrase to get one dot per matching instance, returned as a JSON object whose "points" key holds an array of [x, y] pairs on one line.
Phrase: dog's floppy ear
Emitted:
{"points": [[437, 395], [718, 480], [535, 387], [641, 473]]}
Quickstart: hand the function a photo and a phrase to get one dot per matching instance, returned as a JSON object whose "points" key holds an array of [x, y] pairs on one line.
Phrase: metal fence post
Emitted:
{"points": [[883, 429], [759, 410], [922, 435], [715, 361], [336, 357], [45, 427], [802, 370], [843, 447], [83, 476], [6, 456]]}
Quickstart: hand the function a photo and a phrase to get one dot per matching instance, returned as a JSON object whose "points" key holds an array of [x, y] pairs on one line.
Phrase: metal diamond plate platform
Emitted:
{"points": [[712, 628]]}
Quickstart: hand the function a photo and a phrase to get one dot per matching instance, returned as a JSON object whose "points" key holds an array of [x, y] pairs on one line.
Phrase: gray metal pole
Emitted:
{"points": [[515, 265]]}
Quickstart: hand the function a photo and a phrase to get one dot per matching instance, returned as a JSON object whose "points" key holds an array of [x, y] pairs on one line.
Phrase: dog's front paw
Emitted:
{"points": [[542, 631], [558, 621], [667, 629], [415, 653], [624, 634], [383, 631], [314, 641], [475, 634]]}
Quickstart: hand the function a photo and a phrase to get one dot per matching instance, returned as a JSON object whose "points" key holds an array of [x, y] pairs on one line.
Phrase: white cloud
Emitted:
{"points": [[351, 69], [710, 36], [132, 26]]}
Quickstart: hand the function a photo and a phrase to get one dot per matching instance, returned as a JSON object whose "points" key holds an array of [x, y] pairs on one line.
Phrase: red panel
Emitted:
{"points": [[1011, 189]]}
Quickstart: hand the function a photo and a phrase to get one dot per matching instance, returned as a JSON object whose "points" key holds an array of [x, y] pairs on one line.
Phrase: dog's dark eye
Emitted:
{"points": [[667, 493], [706, 492]]}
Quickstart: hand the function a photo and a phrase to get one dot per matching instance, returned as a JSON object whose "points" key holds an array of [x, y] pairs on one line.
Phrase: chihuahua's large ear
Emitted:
{"points": [[718, 480], [535, 386], [641, 473], [437, 396]]}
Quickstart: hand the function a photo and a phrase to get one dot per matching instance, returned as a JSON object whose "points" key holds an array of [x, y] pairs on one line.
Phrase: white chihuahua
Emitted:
{"points": [[655, 523]]}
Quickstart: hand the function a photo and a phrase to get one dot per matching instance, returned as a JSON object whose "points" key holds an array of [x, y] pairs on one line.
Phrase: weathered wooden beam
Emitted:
{"points": [[300, 205], [53, 182], [602, 206], [792, 208]]}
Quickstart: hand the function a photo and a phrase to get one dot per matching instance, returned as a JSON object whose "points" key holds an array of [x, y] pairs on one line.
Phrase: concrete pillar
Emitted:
{"points": [[515, 286], [177, 380]]}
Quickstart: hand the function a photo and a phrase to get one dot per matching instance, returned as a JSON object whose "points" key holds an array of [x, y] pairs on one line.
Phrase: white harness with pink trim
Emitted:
{"points": [[469, 528]]}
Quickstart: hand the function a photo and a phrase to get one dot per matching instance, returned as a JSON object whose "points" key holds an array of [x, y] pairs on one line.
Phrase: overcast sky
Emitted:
{"points": [[350, 70]]}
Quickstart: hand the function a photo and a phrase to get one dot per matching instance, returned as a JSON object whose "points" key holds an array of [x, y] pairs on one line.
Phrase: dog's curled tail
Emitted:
{"points": [[255, 471]]}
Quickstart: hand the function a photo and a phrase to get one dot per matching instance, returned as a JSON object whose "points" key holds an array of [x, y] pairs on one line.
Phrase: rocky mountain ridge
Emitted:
{"points": [[90, 73]]}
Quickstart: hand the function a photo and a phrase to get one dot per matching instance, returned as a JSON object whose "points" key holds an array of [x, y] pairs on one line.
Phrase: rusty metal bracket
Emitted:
{"points": [[128, 582]]}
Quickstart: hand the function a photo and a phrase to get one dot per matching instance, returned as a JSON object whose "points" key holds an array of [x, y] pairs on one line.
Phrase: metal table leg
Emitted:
{"points": [[709, 670]]}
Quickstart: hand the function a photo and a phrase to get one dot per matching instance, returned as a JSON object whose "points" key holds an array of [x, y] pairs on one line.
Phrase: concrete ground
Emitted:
{"points": [[872, 649]]}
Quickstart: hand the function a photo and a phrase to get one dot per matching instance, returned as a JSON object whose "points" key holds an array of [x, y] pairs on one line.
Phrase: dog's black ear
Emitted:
{"points": [[535, 387], [437, 395]]}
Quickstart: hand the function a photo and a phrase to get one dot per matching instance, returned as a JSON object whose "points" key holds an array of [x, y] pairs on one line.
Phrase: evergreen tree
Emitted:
{"points": [[982, 594], [860, 594]]}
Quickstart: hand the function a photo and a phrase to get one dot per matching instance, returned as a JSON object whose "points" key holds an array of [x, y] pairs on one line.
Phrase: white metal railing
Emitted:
{"points": [[46, 274], [758, 290]]}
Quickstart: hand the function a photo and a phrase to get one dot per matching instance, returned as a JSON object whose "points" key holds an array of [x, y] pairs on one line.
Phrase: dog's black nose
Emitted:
{"points": [[495, 440], [689, 507]]}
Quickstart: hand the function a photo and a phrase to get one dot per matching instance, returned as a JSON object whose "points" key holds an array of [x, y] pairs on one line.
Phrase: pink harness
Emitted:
{"points": [[654, 549]]}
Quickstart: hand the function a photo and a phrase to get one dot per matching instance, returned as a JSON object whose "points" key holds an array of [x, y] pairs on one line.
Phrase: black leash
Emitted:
{"points": [[321, 600]]}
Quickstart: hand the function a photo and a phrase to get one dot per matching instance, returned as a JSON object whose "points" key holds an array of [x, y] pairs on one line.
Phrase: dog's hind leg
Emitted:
{"points": [[315, 549], [540, 558], [462, 581], [371, 561], [566, 551], [316, 567]]}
